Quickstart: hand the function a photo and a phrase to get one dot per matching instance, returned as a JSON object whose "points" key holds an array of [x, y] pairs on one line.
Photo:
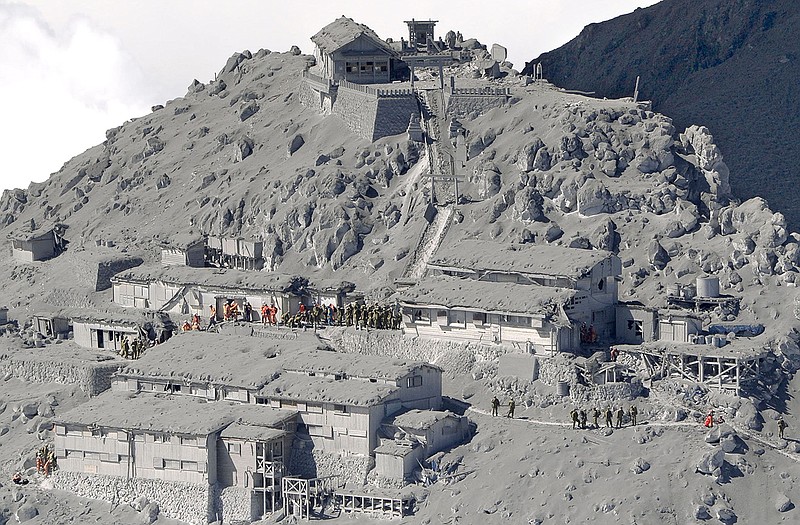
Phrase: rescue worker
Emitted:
{"points": [[273, 315], [212, 318], [125, 348], [17, 479], [609, 416], [709, 421], [196, 323], [575, 418], [186, 327], [620, 415], [633, 413], [495, 405], [248, 311], [39, 463], [582, 416], [595, 416], [511, 407], [781, 426]]}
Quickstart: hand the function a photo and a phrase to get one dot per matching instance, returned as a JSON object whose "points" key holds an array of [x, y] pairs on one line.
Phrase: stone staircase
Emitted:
{"points": [[433, 235]]}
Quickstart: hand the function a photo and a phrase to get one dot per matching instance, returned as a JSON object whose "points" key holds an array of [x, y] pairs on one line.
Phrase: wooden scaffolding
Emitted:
{"points": [[308, 498], [722, 371], [372, 505]]}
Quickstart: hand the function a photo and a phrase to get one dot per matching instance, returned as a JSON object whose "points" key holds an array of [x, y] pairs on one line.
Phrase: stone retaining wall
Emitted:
{"points": [[310, 463], [461, 106], [92, 378], [357, 110], [181, 501], [608, 393], [393, 114], [234, 505], [455, 358]]}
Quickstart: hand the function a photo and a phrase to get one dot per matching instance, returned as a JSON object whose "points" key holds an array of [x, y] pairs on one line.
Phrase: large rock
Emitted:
{"points": [[527, 156], [605, 236], [710, 462], [248, 110], [593, 198], [486, 178], [295, 144], [726, 515], [698, 140], [783, 503], [657, 255], [150, 512], [528, 205], [26, 512]]}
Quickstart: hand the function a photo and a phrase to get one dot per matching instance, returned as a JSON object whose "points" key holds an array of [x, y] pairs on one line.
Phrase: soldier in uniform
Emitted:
{"points": [[620, 415], [781, 427], [633, 412], [582, 416], [511, 407], [595, 416], [495, 405], [575, 418], [609, 418]]}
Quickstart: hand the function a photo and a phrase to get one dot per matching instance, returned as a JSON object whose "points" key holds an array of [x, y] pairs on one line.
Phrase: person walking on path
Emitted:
{"points": [[511, 406], [633, 413], [595, 416], [495, 405], [609, 417], [620, 415], [781, 426]]}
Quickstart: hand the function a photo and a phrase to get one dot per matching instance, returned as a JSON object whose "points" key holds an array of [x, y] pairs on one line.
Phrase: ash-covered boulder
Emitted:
{"points": [[26, 512], [196, 86], [710, 462], [701, 513], [295, 144], [244, 148], [486, 178], [605, 236], [593, 198], [527, 155], [726, 515], [528, 205], [783, 503], [349, 246], [248, 110], [698, 140], [553, 233], [657, 255], [570, 147]]}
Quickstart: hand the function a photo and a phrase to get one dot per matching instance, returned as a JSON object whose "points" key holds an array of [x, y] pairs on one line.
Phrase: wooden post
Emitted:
{"points": [[636, 90]]}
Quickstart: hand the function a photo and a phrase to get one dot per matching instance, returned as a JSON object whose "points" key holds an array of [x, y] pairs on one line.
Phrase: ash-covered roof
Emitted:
{"points": [[421, 419], [352, 392], [482, 296], [352, 365], [252, 432], [392, 448], [202, 357], [166, 413], [230, 279], [557, 261], [344, 30], [182, 241]]}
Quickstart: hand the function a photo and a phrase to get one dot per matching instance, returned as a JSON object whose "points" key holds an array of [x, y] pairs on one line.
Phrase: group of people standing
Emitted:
{"points": [[496, 407], [580, 417], [133, 349]]}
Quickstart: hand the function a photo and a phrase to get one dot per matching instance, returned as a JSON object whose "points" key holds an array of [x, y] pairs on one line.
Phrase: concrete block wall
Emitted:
{"points": [[187, 502]]}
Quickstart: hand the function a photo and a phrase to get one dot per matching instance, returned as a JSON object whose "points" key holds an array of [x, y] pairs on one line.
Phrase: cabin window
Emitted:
{"points": [[635, 327], [234, 448], [190, 465], [314, 408], [172, 464], [73, 454], [262, 401], [191, 441], [97, 456], [381, 67], [601, 284], [478, 317], [351, 67], [413, 381], [340, 409], [457, 318], [160, 438], [288, 404]]}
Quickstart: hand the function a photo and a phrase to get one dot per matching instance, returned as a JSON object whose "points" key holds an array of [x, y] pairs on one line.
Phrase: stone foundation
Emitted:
{"points": [[454, 358], [92, 378], [234, 505], [181, 501], [462, 106], [350, 468]]}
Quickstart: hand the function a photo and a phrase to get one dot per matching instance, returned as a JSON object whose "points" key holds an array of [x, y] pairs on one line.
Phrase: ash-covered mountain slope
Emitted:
{"points": [[242, 156], [731, 65]]}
